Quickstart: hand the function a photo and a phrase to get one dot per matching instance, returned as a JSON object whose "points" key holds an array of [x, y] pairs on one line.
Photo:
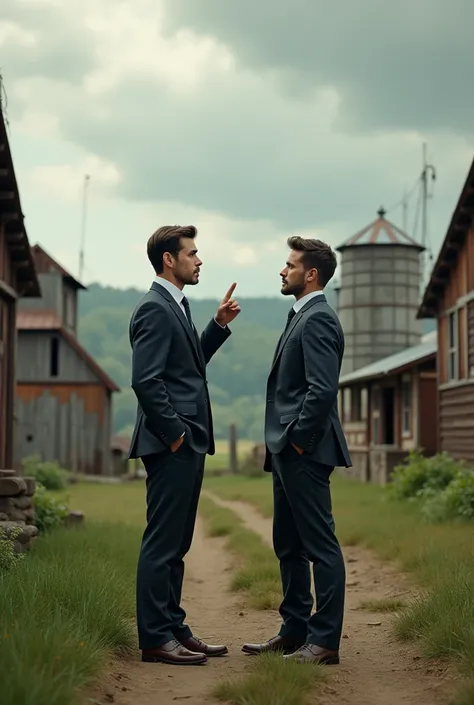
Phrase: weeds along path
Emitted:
{"points": [[216, 615], [375, 669]]}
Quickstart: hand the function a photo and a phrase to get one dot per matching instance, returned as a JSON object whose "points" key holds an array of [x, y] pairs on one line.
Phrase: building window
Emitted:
{"points": [[346, 404], [453, 345], [406, 406], [54, 357], [364, 403], [375, 405], [355, 404]]}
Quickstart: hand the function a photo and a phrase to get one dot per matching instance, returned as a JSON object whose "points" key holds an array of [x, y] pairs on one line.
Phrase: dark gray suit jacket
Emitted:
{"points": [[302, 387], [169, 375]]}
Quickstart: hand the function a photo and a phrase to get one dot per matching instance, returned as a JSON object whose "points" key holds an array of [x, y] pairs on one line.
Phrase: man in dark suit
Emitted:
{"points": [[173, 433], [304, 442]]}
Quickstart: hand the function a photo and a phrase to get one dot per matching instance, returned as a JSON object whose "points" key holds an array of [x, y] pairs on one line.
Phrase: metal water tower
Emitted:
{"points": [[379, 293]]}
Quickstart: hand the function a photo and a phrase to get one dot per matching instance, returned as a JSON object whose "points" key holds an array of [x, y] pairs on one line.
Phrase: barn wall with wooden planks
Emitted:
{"points": [[37, 358], [456, 414], [51, 296], [64, 422]]}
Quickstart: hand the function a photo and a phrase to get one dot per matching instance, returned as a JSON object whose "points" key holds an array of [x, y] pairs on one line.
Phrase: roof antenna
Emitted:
{"points": [[83, 225]]}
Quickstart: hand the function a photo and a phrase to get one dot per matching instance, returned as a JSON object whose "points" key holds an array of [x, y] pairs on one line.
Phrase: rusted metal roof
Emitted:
{"points": [[453, 243], [13, 219], [380, 232], [45, 321], [44, 263], [37, 320]]}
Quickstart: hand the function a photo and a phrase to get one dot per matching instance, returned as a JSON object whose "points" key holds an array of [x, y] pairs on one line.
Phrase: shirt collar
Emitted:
{"points": [[298, 305], [176, 293]]}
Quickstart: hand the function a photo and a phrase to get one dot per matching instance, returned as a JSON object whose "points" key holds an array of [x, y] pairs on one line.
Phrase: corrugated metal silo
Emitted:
{"points": [[379, 293]]}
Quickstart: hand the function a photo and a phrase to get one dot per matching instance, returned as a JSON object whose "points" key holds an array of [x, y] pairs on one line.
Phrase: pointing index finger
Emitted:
{"points": [[230, 292]]}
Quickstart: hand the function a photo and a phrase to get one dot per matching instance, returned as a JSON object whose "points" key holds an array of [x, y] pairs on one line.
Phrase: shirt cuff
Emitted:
{"points": [[223, 327]]}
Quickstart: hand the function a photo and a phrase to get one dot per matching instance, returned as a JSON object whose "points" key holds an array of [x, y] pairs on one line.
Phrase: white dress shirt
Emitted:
{"points": [[298, 305], [171, 288], [176, 293]]}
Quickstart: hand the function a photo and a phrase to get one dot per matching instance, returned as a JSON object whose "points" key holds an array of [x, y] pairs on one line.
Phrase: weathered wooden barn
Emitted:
{"points": [[389, 408], [63, 397], [449, 297], [17, 278]]}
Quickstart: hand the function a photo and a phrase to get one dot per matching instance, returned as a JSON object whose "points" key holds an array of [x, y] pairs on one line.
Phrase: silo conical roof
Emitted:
{"points": [[380, 232]]}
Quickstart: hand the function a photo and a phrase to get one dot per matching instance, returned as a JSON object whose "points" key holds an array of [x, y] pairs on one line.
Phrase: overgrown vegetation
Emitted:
{"points": [[50, 512], [439, 555], [66, 610], [9, 558], [443, 487], [48, 474]]}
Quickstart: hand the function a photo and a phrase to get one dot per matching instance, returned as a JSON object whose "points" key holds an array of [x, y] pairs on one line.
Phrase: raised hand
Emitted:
{"points": [[228, 308]]}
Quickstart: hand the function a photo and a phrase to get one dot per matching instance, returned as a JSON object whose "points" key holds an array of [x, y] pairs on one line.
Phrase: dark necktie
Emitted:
{"points": [[291, 314], [188, 312]]}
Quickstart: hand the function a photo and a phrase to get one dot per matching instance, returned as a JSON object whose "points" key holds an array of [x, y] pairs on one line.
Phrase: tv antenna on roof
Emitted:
{"points": [[83, 225]]}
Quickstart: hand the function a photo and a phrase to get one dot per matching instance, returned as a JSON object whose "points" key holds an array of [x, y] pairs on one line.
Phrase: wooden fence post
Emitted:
{"points": [[233, 460]]}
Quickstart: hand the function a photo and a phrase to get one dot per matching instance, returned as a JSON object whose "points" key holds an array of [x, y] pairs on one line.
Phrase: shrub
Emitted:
{"points": [[454, 503], [48, 474], [8, 556], [50, 512], [419, 477]]}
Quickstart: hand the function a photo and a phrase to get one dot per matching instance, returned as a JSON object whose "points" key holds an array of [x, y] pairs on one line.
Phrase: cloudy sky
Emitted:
{"points": [[251, 120]]}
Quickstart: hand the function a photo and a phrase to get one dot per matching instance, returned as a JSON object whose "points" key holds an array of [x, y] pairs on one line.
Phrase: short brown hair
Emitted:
{"points": [[167, 239], [316, 254]]}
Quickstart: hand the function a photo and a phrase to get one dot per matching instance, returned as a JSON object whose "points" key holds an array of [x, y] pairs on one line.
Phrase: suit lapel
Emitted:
{"points": [[191, 333], [294, 321]]}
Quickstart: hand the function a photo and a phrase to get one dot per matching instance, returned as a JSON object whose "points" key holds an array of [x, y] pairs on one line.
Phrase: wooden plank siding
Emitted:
{"points": [[457, 422], [66, 422], [456, 395], [7, 350], [470, 337]]}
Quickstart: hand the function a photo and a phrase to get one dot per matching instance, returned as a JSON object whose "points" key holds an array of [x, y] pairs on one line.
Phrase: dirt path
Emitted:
{"points": [[375, 669], [216, 615]]}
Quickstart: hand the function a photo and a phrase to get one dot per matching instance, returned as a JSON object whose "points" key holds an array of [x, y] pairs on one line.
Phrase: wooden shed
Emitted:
{"points": [[449, 297], [389, 408], [17, 278], [64, 398]]}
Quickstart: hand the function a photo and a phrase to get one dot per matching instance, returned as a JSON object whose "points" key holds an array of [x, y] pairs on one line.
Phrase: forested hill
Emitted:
{"points": [[237, 375]]}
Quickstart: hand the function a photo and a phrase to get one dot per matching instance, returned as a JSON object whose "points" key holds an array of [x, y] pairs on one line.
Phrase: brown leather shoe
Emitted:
{"points": [[276, 643], [310, 653], [199, 647], [174, 654]]}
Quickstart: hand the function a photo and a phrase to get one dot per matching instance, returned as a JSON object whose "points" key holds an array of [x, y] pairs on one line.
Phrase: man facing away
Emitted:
{"points": [[173, 433], [304, 442]]}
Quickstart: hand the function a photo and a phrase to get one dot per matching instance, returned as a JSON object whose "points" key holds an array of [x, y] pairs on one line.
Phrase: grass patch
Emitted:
{"points": [[220, 462], [438, 555], [66, 609], [387, 604], [272, 681]]}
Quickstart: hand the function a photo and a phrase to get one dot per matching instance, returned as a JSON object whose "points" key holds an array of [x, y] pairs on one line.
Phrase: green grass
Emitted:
{"points": [[221, 460], [438, 556], [388, 604], [66, 610], [272, 681]]}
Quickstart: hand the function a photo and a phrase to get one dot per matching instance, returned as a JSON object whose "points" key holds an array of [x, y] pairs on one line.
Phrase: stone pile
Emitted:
{"points": [[16, 509]]}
